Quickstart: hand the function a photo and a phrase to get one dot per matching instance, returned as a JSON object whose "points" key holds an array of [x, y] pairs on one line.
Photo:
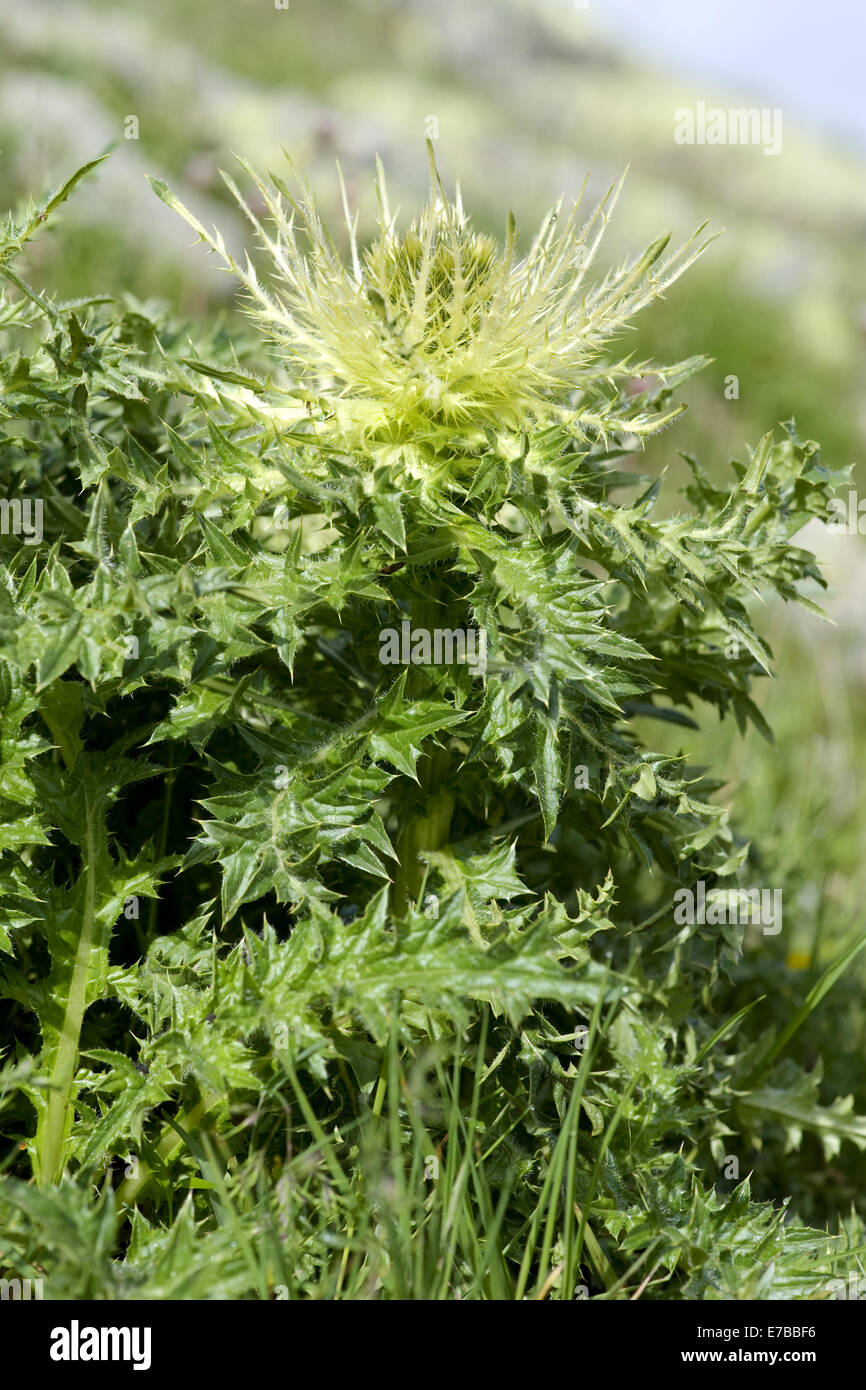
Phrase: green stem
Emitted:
{"points": [[168, 1146], [432, 830], [58, 1114], [428, 832]]}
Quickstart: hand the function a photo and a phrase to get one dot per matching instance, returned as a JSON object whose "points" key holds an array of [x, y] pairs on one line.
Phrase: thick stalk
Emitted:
{"points": [[169, 1145], [58, 1113], [431, 830]]}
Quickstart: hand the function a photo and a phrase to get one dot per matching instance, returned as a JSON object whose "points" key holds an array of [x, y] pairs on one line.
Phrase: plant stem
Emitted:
{"points": [[432, 830], [58, 1113], [427, 832], [168, 1146]]}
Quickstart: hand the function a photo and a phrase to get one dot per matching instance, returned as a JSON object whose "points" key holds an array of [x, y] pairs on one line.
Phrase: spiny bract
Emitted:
{"points": [[441, 330]]}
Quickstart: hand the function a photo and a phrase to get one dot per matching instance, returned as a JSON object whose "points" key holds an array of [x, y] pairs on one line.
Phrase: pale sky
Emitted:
{"points": [[809, 58]]}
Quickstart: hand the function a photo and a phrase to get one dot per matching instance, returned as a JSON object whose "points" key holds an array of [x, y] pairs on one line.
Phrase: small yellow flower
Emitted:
{"points": [[798, 960]]}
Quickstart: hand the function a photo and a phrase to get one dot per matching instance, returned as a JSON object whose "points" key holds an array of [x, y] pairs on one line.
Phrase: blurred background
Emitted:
{"points": [[524, 99]]}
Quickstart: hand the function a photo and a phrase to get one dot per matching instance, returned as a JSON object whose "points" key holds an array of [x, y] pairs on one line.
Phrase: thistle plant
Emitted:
{"points": [[358, 977]]}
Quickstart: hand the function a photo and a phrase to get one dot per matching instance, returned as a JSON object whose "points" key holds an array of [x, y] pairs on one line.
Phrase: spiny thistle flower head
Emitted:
{"points": [[440, 331]]}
